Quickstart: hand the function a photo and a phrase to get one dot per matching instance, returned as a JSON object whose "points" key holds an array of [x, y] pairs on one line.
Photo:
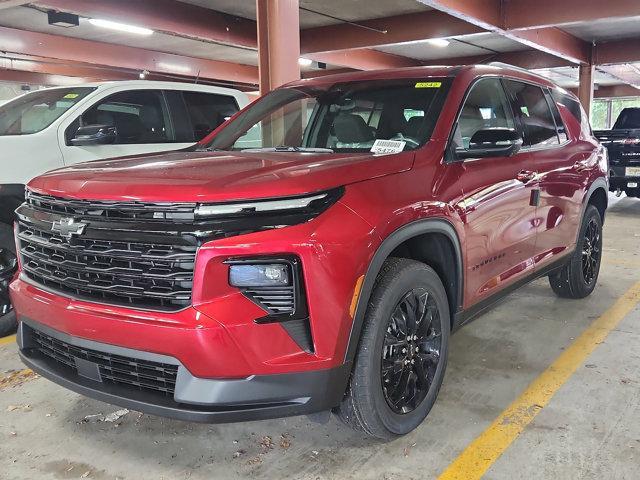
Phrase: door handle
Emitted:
{"points": [[525, 176]]}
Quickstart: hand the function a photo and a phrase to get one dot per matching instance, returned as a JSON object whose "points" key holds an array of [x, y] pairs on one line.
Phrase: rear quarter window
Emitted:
{"points": [[569, 102], [562, 130]]}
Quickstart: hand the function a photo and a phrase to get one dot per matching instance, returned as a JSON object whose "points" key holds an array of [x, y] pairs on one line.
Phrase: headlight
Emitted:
{"points": [[265, 275], [305, 205], [275, 283]]}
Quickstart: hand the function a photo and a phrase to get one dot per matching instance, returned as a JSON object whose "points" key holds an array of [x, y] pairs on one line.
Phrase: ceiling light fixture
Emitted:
{"points": [[174, 67], [438, 42], [63, 19], [121, 27], [304, 62]]}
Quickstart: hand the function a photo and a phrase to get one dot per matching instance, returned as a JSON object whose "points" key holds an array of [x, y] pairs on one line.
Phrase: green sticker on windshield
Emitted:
{"points": [[428, 84], [71, 95]]}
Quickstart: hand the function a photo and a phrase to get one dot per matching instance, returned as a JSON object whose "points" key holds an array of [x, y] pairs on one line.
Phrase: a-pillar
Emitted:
{"points": [[278, 42], [585, 88]]}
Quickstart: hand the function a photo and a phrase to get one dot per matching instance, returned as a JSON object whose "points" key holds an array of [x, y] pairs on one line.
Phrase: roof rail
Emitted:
{"points": [[520, 69]]}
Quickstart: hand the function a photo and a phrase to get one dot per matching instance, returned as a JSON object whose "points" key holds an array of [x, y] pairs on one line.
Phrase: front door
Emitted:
{"points": [[499, 220]]}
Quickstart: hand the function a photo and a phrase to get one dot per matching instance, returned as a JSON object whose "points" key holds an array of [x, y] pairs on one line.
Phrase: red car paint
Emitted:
{"points": [[217, 336]]}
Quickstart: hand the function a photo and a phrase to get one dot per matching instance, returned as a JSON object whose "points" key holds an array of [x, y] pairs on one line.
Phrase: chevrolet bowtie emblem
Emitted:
{"points": [[68, 227]]}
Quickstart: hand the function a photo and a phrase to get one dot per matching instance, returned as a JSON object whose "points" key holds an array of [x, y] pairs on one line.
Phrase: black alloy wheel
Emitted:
{"points": [[411, 351], [591, 251], [578, 277], [402, 353]]}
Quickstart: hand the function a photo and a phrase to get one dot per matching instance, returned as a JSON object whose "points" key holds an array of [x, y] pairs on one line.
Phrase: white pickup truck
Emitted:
{"points": [[55, 127]]}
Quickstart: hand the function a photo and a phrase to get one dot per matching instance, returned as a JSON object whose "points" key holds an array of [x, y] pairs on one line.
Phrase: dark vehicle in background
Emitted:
{"points": [[623, 144], [8, 262]]}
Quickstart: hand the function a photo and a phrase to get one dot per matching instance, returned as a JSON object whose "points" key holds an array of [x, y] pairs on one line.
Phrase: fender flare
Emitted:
{"points": [[599, 182], [406, 232]]}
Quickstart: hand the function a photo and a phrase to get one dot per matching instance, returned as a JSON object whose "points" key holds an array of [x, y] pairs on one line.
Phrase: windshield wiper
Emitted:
{"points": [[287, 148]]}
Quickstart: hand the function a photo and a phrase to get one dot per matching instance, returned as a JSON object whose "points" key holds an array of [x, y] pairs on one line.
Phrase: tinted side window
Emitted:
{"points": [[140, 117], [572, 105], [530, 105], [179, 117], [562, 131], [207, 111], [486, 106]]}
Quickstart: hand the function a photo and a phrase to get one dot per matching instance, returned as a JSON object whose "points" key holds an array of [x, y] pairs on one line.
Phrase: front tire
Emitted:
{"points": [[402, 354], [578, 278]]}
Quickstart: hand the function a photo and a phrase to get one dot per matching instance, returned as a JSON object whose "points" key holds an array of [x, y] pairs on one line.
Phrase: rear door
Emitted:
{"points": [[207, 111], [558, 167], [499, 223]]}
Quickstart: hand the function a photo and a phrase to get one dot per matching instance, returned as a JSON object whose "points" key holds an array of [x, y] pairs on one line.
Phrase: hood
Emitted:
{"points": [[215, 176]]}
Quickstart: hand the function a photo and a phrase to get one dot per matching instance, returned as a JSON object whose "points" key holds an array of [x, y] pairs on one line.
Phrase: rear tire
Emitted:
{"points": [[402, 355], [578, 277]]}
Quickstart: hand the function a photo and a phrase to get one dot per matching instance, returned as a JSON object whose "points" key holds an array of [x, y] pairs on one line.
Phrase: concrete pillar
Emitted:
{"points": [[278, 42], [585, 88]]}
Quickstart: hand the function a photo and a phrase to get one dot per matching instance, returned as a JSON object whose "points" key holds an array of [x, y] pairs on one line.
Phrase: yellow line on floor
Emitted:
{"points": [[7, 340], [478, 457]]}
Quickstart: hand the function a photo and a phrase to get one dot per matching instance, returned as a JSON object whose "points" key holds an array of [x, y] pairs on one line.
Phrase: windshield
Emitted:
{"points": [[37, 110], [344, 117]]}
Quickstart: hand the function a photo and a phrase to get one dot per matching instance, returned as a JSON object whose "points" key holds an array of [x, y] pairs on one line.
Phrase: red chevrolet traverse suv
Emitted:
{"points": [[313, 253]]}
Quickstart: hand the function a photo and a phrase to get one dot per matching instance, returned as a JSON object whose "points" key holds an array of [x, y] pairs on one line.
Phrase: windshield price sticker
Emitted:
{"points": [[388, 146], [428, 85]]}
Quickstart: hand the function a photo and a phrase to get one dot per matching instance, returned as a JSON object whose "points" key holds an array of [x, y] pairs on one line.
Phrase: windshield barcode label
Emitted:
{"points": [[388, 146]]}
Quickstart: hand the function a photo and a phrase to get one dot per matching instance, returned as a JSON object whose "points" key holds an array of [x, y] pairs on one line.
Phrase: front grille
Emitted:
{"points": [[133, 263], [115, 210], [136, 254], [128, 372], [276, 300]]}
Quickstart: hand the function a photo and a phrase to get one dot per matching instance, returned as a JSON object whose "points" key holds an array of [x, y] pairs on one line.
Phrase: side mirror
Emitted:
{"points": [[491, 142], [94, 135]]}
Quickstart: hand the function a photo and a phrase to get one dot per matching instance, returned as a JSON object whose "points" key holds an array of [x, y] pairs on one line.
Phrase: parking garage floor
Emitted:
{"points": [[586, 425]]}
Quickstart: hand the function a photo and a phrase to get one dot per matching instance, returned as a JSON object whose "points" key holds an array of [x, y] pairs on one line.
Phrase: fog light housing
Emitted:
{"points": [[260, 275]]}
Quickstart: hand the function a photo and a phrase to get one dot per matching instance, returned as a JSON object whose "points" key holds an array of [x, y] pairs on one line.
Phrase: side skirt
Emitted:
{"points": [[465, 316]]}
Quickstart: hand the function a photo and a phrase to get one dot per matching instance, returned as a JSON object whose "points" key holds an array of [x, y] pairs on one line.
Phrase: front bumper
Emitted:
{"points": [[193, 399], [217, 336]]}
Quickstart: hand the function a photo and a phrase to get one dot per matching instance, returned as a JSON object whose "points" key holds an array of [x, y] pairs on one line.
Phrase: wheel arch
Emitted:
{"points": [[599, 199], [391, 244], [597, 196]]}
